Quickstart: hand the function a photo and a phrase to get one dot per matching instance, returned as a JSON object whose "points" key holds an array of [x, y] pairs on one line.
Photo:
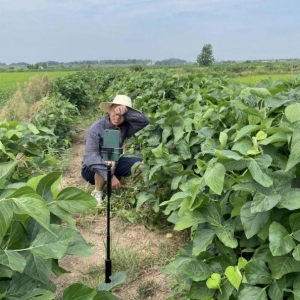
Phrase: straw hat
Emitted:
{"points": [[118, 100]]}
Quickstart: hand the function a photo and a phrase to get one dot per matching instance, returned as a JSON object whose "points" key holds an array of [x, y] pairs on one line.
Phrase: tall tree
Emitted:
{"points": [[206, 58]]}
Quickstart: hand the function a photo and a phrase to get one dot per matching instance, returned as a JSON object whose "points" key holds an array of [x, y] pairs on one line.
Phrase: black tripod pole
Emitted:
{"points": [[108, 260]]}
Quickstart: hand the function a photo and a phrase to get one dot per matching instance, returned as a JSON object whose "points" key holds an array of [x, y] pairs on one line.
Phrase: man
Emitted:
{"points": [[123, 117]]}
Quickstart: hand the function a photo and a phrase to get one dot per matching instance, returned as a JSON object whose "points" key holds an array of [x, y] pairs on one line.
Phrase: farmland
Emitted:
{"points": [[220, 163], [9, 80]]}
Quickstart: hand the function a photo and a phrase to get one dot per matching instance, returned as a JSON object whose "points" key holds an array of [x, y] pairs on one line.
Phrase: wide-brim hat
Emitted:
{"points": [[118, 100]]}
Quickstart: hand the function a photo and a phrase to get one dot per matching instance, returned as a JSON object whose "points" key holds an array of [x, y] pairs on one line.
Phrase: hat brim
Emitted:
{"points": [[104, 106]]}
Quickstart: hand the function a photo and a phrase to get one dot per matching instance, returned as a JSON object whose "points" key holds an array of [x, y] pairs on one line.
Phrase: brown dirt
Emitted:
{"points": [[147, 245]]}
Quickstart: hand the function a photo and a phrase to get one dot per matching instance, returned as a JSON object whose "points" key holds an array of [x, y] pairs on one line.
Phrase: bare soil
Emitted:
{"points": [[151, 248]]}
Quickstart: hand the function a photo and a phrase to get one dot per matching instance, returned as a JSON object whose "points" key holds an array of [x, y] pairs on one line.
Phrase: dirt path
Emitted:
{"points": [[144, 251]]}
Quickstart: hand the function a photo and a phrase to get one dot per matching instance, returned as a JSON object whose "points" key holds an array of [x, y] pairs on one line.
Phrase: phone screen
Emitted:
{"points": [[111, 145]]}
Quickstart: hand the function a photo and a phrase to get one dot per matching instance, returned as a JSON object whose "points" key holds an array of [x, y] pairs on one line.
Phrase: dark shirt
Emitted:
{"points": [[134, 121]]}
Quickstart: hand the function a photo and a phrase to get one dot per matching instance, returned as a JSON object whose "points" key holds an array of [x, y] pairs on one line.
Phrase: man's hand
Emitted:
{"points": [[115, 183], [121, 110]]}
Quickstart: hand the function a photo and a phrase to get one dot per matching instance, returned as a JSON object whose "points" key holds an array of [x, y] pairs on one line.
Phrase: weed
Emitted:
{"points": [[146, 290]]}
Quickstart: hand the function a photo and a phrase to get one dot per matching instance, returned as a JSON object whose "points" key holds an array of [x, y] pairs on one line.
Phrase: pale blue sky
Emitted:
{"points": [[68, 30]]}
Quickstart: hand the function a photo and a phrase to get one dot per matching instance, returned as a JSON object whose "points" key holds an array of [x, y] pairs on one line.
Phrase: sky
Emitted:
{"points": [[73, 30]]}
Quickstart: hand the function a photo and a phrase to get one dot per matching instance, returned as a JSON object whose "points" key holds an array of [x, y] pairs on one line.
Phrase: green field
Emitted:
{"points": [[9, 80], [252, 80]]}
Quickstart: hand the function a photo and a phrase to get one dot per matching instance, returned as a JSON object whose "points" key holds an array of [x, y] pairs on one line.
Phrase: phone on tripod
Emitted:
{"points": [[111, 145]]}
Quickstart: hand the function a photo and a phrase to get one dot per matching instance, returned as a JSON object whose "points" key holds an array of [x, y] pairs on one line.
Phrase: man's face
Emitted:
{"points": [[115, 118]]}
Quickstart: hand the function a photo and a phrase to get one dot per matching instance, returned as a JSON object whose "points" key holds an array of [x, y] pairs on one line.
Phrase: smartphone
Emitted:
{"points": [[111, 145]]}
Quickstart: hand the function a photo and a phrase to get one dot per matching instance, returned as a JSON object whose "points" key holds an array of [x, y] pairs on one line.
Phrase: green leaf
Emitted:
{"points": [[61, 213], [115, 280], [256, 272], [73, 200], [282, 265], [225, 234], [275, 138], [258, 175], [143, 197], [203, 238], [105, 295], [253, 222], [246, 130], [46, 185], [189, 219], [199, 291], [53, 245], [38, 268], [6, 215], [223, 140], [214, 177], [234, 276], [294, 157], [281, 242], [196, 270], [263, 202], [79, 246], [290, 200], [253, 293], [214, 281], [292, 112], [12, 259], [32, 205], [5, 170], [78, 291]]}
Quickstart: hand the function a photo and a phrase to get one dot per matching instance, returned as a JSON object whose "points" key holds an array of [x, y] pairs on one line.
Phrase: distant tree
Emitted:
{"points": [[44, 65], [206, 58]]}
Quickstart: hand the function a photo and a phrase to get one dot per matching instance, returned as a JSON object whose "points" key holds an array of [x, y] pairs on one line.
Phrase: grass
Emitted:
{"points": [[9, 80], [252, 80]]}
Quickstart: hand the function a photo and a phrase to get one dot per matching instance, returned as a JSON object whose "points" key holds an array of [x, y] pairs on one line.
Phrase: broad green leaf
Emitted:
{"points": [[296, 253], [282, 265], [53, 245], [281, 242], [46, 184], [196, 270], [61, 213], [199, 290], [276, 291], [105, 295], [294, 157], [73, 200], [234, 276], [174, 198], [253, 293], [292, 112], [167, 131], [228, 154], [212, 214], [253, 222], [12, 259], [243, 146], [256, 272], [263, 202], [225, 234], [189, 219], [290, 200], [275, 138], [246, 130], [202, 240], [79, 246], [34, 206], [5, 170], [33, 129], [116, 280], [143, 197], [38, 268], [214, 177], [78, 291], [258, 174], [6, 215]]}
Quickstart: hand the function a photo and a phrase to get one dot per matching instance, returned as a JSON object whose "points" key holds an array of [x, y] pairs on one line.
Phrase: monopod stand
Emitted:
{"points": [[108, 264]]}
